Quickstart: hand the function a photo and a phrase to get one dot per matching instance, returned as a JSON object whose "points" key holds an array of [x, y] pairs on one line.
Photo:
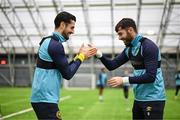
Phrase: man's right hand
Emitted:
{"points": [[88, 51], [98, 53]]}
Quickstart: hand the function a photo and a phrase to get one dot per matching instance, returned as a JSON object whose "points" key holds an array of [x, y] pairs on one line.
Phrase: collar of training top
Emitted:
{"points": [[135, 41], [59, 37]]}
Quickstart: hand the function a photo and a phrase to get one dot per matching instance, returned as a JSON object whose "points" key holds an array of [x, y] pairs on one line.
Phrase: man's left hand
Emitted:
{"points": [[115, 81]]}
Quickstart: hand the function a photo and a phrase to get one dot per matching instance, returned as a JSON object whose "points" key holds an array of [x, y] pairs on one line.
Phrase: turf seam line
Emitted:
{"points": [[29, 109], [13, 102]]}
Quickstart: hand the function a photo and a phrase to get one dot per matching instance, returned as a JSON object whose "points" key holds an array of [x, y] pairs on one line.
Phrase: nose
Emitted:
{"points": [[120, 37], [72, 32]]}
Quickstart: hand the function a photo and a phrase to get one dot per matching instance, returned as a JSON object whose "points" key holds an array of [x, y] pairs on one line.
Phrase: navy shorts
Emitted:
{"points": [[46, 111], [126, 90], [148, 110], [101, 86]]}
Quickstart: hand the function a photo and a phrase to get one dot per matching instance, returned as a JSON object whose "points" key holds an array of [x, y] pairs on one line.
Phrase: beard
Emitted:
{"points": [[65, 35], [127, 40]]}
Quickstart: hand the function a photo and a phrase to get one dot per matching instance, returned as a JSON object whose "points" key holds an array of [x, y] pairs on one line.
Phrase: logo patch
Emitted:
{"points": [[58, 115], [148, 108]]}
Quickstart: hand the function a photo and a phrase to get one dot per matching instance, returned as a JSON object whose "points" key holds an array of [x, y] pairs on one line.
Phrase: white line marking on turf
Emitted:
{"points": [[15, 101], [17, 113], [65, 98], [29, 109], [90, 111]]}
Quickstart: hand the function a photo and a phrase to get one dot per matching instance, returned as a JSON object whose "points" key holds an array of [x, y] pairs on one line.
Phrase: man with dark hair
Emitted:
{"points": [[147, 80], [52, 66], [177, 78]]}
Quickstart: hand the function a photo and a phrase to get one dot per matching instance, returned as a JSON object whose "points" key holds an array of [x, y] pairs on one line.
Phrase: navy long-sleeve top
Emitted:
{"points": [[47, 80], [147, 79], [150, 53], [56, 51]]}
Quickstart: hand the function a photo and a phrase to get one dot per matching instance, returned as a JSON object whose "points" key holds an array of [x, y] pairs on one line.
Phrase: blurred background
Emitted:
{"points": [[23, 23]]}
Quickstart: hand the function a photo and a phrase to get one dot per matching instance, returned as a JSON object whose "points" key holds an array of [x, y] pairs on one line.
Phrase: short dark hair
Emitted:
{"points": [[63, 17], [125, 23]]}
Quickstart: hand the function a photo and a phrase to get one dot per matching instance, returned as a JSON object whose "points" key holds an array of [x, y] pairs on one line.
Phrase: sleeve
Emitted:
{"points": [[116, 62], [175, 76], [100, 76], [56, 51], [106, 79], [150, 54]]}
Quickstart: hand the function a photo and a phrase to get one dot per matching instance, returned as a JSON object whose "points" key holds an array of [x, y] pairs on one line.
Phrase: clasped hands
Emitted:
{"points": [[90, 50]]}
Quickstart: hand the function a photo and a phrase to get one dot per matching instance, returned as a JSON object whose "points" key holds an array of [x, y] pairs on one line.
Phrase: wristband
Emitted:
{"points": [[79, 56], [99, 54], [125, 80]]}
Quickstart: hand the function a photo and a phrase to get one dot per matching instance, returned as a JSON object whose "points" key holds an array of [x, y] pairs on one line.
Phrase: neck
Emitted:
{"points": [[58, 30], [133, 35]]}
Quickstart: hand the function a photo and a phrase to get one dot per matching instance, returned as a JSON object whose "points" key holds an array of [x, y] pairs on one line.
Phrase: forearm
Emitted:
{"points": [[150, 70], [143, 79], [116, 62], [148, 77], [108, 63], [68, 71]]}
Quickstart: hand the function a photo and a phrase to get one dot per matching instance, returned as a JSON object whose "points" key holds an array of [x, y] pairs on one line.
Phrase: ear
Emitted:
{"points": [[62, 25], [131, 29]]}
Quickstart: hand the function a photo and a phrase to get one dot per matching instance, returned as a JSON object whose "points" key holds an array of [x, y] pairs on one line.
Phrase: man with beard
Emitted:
{"points": [[147, 80], [52, 66]]}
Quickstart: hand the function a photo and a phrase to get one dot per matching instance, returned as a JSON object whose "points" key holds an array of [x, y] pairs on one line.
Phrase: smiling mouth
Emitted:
{"points": [[124, 41]]}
